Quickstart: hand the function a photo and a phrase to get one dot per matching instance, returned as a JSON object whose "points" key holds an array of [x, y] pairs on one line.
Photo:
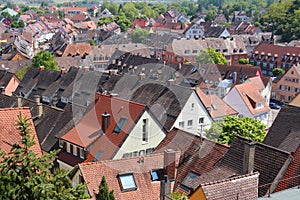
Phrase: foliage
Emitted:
{"points": [[278, 71], [178, 196], [92, 42], [130, 11], [244, 61], [24, 175], [104, 193], [160, 8], [211, 56], [20, 74], [111, 6], [105, 20], [123, 22], [46, 59], [138, 35], [230, 126], [149, 12]]}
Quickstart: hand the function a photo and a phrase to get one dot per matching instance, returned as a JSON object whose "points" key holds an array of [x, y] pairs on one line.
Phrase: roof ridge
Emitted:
{"points": [[121, 99], [230, 179], [15, 108], [271, 147]]}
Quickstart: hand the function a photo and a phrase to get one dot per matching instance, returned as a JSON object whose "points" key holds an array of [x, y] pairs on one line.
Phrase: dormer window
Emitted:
{"points": [[291, 58], [266, 57], [187, 51], [61, 143], [120, 125], [81, 153], [127, 182]]}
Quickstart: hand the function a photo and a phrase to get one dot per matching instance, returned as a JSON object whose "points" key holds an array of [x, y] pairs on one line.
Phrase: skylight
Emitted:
{"points": [[120, 125], [154, 176], [127, 182], [190, 177], [214, 106], [99, 154]]}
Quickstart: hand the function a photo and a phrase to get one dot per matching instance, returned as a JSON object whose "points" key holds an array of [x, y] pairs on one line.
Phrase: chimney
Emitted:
{"points": [[19, 101], [179, 66], [105, 121], [248, 160], [169, 163], [171, 82], [39, 105], [86, 69], [111, 72], [165, 188], [63, 70], [142, 76], [42, 68]]}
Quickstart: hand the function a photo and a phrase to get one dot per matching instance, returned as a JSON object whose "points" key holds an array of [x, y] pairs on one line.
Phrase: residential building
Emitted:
{"points": [[194, 31], [249, 101], [270, 56], [81, 50], [288, 86], [8, 82], [105, 13], [216, 32], [131, 178], [9, 133], [70, 11], [112, 128], [25, 44], [241, 16]]}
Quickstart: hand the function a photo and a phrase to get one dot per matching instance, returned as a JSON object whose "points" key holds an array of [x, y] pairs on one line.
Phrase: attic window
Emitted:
{"points": [[154, 176], [127, 182], [214, 106], [191, 176], [120, 125]]}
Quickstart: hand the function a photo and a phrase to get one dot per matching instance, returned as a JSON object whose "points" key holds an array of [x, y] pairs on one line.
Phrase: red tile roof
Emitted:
{"points": [[9, 133], [218, 107], [88, 130], [77, 50], [146, 188]]}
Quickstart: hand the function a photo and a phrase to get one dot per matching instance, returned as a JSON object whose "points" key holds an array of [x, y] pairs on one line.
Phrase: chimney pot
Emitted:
{"points": [[105, 121], [19, 101], [63, 70], [142, 76], [42, 68], [86, 69], [39, 105]]}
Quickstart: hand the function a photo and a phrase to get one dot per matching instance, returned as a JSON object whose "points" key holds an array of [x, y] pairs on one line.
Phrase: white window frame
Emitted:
{"points": [[81, 153], [74, 150]]}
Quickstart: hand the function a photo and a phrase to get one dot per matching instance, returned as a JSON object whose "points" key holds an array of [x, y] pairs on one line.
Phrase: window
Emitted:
{"points": [[187, 51], [145, 131], [61, 143], [74, 150], [289, 98], [99, 154], [190, 122], [192, 106], [191, 176], [201, 120], [149, 151], [181, 124], [195, 51], [154, 176], [81, 153], [127, 182], [120, 125], [68, 147]]}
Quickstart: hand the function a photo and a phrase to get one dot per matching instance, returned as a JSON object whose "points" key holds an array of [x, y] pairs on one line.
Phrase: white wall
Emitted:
{"points": [[134, 140], [225, 33], [64, 166], [189, 113]]}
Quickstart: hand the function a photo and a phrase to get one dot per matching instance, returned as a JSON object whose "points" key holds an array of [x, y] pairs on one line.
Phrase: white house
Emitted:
{"points": [[194, 31], [249, 101]]}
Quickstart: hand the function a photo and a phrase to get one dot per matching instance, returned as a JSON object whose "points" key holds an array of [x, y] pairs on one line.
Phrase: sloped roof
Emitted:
{"points": [[146, 188], [9, 134], [89, 129], [218, 107], [5, 77], [77, 50], [285, 131]]}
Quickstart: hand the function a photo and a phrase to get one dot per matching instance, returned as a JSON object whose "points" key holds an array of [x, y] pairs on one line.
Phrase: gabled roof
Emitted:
{"points": [[9, 134], [218, 107], [139, 167], [89, 129], [270, 162], [285, 130], [5, 77], [214, 31], [198, 155]]}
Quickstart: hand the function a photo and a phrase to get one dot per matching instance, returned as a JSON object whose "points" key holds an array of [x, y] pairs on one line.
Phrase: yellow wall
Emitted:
{"points": [[198, 195]]}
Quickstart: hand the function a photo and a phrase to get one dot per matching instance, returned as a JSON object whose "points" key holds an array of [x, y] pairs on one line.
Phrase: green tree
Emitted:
{"points": [[104, 193], [25, 175], [149, 12], [211, 56], [178, 196], [230, 126], [160, 8], [105, 20], [92, 42], [138, 35], [123, 22], [244, 61], [278, 71], [130, 11], [46, 59]]}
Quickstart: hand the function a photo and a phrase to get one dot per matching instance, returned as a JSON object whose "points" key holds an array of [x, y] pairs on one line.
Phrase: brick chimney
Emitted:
{"points": [[86, 69], [105, 121], [165, 188], [248, 159], [42, 68], [63, 70], [39, 105], [171, 82], [169, 163], [19, 101], [142, 76]]}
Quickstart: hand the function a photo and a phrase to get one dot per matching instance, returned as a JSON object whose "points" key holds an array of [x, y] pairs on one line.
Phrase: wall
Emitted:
{"points": [[134, 140], [189, 113], [12, 86], [198, 195], [64, 166]]}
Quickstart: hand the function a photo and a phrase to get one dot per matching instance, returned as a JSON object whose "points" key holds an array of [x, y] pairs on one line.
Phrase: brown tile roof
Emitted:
{"points": [[9, 133], [77, 50], [197, 155], [251, 96], [218, 107], [146, 188], [284, 133], [270, 162], [88, 130], [240, 187]]}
